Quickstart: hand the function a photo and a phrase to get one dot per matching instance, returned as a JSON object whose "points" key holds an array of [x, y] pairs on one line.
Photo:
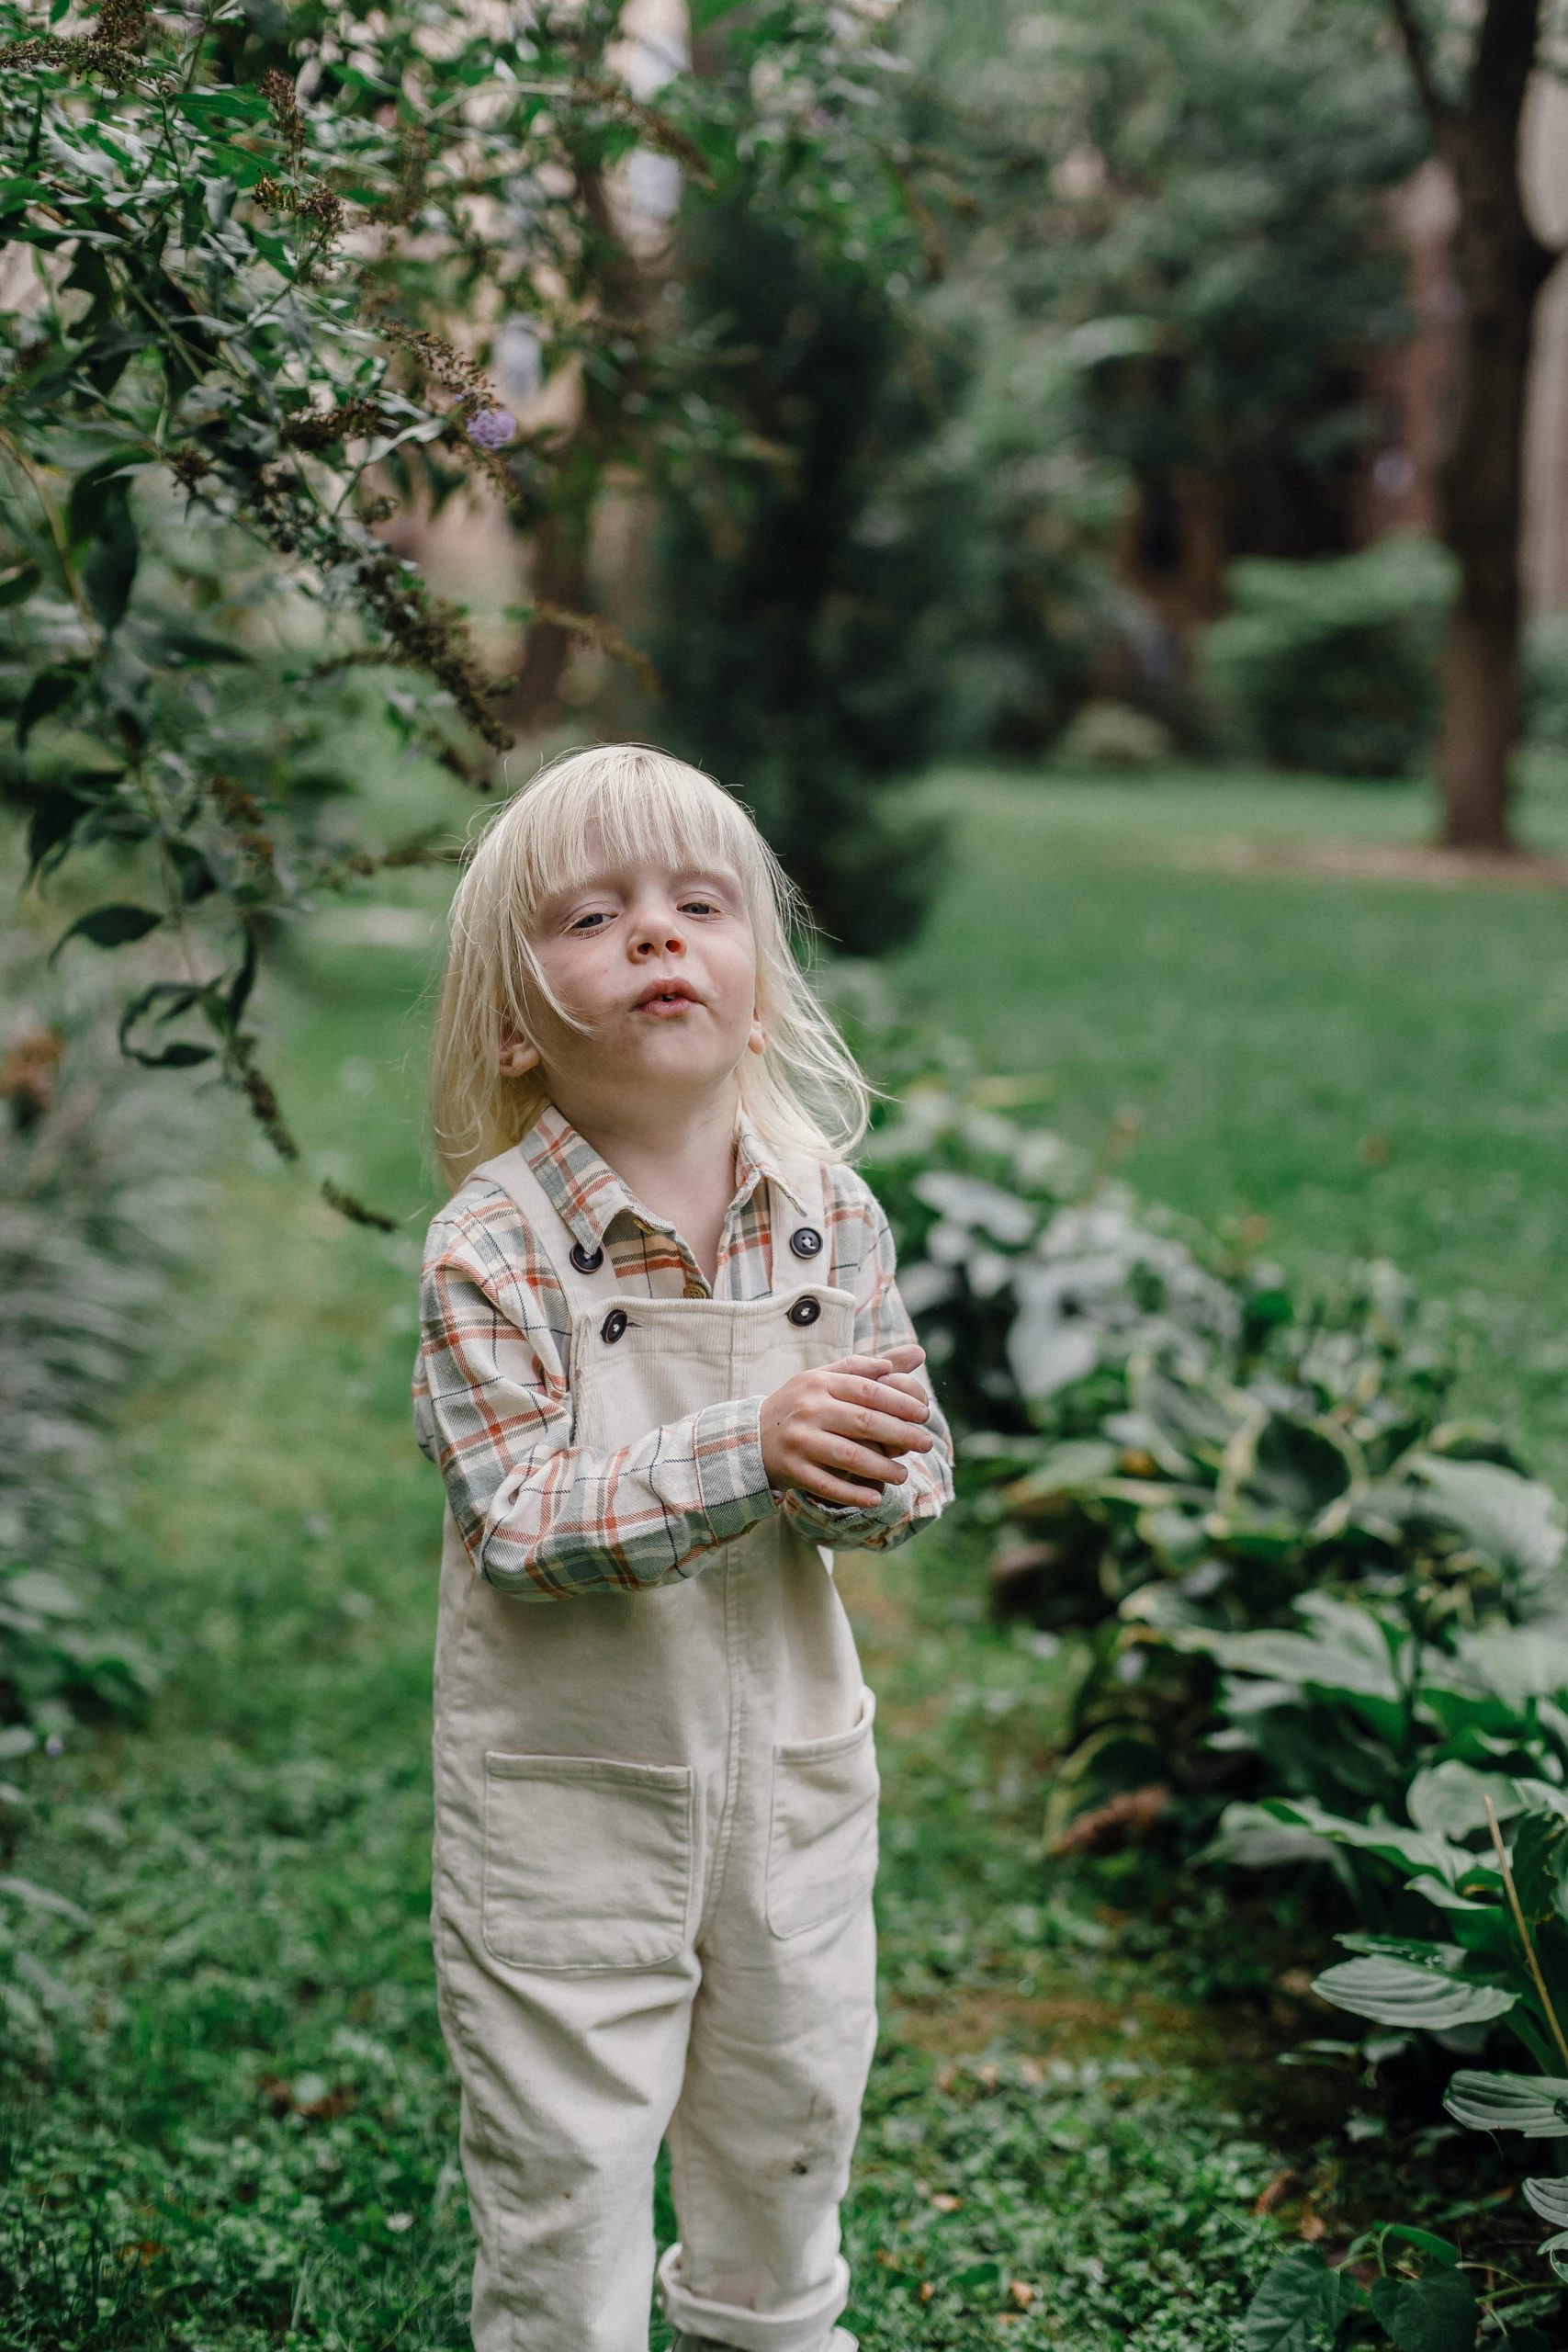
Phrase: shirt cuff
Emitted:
{"points": [[732, 1481], [846, 1525]]}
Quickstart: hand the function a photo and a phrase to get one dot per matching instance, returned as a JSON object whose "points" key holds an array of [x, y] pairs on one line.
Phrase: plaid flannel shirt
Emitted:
{"points": [[542, 1518]]}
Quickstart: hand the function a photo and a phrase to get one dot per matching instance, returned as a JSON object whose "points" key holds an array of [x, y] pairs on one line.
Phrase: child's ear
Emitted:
{"points": [[518, 1056], [756, 1043]]}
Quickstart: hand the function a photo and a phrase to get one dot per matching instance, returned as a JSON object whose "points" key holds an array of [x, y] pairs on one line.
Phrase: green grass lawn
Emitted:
{"points": [[1377, 1067], [248, 2135]]}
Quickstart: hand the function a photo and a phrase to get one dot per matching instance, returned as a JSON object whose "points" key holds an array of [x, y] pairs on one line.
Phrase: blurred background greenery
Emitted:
{"points": [[1030, 454]]}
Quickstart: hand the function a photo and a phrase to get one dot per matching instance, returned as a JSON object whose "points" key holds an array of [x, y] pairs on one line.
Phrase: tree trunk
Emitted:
{"points": [[1501, 266]]}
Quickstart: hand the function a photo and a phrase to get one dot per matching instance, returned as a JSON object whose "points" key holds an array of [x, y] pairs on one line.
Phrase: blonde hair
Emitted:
{"points": [[623, 802]]}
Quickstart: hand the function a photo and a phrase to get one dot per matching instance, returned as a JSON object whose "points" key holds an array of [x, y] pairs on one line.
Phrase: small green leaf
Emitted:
{"points": [[111, 926], [109, 570], [1549, 2200], [48, 692], [18, 585], [1440, 2249], [44, 1898]]}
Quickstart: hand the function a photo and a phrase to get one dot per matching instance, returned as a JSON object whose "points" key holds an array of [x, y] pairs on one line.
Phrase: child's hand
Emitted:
{"points": [[836, 1432]]}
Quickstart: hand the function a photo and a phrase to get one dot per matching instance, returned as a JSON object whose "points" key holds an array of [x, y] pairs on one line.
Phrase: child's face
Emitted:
{"points": [[660, 965]]}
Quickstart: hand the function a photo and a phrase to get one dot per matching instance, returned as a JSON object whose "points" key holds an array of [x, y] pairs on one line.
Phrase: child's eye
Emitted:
{"points": [[699, 907], [589, 922]]}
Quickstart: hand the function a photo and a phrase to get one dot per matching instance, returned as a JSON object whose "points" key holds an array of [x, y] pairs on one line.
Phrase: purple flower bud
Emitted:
{"points": [[54, 1745], [491, 428]]}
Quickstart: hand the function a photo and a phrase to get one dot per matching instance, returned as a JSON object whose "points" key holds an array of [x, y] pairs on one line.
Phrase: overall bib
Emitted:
{"points": [[654, 1843]]}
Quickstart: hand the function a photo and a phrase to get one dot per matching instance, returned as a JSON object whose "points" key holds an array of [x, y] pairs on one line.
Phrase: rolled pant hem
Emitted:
{"points": [[801, 2328]]}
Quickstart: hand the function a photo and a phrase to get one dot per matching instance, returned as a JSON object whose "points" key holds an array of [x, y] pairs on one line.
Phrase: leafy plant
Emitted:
{"points": [[1432, 1775], [1333, 664], [260, 263]]}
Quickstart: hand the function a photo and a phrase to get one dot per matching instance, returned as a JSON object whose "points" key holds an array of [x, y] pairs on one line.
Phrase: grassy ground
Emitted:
{"points": [[248, 2136], [1372, 1066]]}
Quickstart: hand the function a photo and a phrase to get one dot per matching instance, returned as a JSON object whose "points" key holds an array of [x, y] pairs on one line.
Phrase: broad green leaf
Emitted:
{"points": [[1065, 1470], [1255, 1839], [1449, 1799], [1540, 1863], [1518, 1662], [1311, 1665], [1516, 1521], [41, 1589], [1285, 1467], [1298, 2307], [1536, 2104], [1402, 1993], [1415, 1849], [1435, 2312]]}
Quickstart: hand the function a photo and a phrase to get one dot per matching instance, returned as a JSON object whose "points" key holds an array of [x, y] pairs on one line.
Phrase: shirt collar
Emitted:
{"points": [[588, 1195]]}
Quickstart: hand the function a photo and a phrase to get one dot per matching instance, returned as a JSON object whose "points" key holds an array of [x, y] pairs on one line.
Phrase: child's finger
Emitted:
{"points": [[824, 1486], [868, 1427], [832, 1456], [880, 1396], [908, 1356]]}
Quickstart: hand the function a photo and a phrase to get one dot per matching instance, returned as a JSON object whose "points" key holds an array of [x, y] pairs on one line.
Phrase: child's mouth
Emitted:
{"points": [[664, 1004]]}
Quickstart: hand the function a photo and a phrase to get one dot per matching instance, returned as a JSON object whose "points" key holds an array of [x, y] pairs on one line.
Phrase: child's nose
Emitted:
{"points": [[660, 934]]}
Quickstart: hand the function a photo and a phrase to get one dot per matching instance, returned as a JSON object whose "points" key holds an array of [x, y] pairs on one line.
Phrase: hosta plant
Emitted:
{"points": [[1432, 1776]]}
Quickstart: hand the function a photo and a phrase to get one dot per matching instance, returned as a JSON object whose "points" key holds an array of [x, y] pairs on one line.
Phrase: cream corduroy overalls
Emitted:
{"points": [[654, 1843]]}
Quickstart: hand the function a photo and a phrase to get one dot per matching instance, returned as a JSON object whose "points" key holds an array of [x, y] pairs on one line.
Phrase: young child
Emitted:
{"points": [[664, 1372]]}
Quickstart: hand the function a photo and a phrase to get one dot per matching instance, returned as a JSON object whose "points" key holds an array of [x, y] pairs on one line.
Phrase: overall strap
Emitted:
{"points": [[582, 1281], [800, 1236]]}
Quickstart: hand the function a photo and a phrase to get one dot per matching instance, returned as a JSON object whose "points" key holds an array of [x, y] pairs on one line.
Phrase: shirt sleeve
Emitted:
{"points": [[541, 1518], [864, 1260]]}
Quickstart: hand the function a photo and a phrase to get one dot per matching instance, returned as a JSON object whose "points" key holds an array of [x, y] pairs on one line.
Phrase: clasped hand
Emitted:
{"points": [[837, 1433]]}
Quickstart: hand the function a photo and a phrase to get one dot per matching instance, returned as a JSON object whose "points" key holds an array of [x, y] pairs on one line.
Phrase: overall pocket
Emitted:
{"points": [[822, 1833], [588, 1861]]}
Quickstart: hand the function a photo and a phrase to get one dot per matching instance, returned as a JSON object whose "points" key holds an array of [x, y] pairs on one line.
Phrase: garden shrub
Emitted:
{"points": [[1545, 681], [1113, 735], [1427, 1763], [1166, 1437], [1332, 664]]}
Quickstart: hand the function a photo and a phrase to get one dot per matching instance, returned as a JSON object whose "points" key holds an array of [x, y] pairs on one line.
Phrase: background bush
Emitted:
{"points": [[1332, 664]]}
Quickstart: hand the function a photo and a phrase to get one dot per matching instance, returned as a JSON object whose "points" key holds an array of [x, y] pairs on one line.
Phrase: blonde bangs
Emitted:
{"points": [[620, 805]]}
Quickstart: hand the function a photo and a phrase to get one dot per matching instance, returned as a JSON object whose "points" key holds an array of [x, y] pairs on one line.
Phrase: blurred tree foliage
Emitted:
{"points": [[803, 634], [1159, 268], [256, 259], [1213, 248]]}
